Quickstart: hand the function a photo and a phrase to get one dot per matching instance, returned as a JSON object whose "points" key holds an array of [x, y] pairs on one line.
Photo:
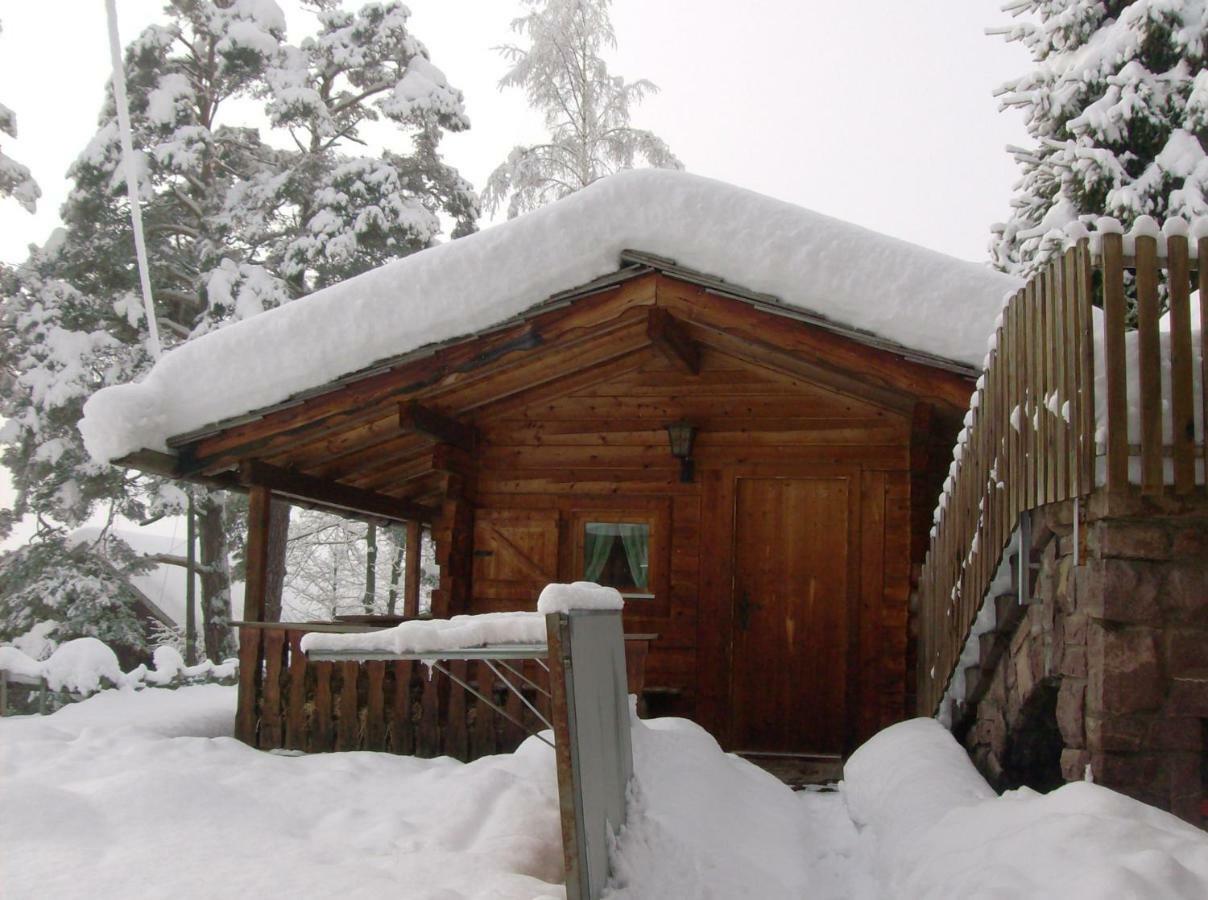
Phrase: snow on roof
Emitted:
{"points": [[919, 298]]}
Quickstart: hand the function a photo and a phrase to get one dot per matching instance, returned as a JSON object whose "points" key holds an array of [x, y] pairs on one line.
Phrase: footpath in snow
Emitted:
{"points": [[142, 793]]}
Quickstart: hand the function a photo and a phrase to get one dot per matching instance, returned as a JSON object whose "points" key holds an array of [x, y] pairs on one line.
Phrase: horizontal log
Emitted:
{"points": [[331, 494]]}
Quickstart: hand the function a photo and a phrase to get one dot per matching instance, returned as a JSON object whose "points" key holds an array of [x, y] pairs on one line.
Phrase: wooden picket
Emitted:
{"points": [[1035, 439]]}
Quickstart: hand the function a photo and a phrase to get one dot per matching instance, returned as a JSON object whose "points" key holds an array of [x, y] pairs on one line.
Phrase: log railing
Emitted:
{"points": [[1033, 437]]}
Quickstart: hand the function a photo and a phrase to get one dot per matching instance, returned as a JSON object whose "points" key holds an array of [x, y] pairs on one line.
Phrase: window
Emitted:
{"points": [[624, 544], [617, 554]]}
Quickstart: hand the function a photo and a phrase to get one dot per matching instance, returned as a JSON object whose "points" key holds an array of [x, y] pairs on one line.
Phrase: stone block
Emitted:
{"points": [[1071, 711], [1123, 671], [1188, 696], [1134, 774], [1183, 733], [1118, 590], [1025, 675], [1130, 540], [1186, 651], [1073, 661], [1119, 734], [1184, 595], [1074, 629], [1191, 541], [1073, 764]]}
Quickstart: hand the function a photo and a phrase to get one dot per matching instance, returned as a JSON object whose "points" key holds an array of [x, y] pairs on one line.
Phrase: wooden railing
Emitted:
{"points": [[1032, 436], [399, 706]]}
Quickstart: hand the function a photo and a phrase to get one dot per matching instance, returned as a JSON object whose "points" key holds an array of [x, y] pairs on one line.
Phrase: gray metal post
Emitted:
{"points": [[592, 742]]}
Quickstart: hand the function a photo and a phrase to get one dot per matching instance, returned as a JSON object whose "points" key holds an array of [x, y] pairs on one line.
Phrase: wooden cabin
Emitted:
{"points": [[757, 478]]}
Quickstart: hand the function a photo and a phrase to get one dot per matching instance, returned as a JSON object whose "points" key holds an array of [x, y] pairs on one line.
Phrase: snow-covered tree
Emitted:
{"points": [[237, 221], [1117, 107], [15, 178], [334, 567], [586, 109], [53, 591]]}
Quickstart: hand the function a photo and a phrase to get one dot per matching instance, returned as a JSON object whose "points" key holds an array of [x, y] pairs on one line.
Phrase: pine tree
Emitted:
{"points": [[15, 178], [235, 225], [72, 592], [1117, 106], [586, 109]]}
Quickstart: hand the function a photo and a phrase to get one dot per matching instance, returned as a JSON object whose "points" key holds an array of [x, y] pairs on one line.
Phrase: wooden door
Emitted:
{"points": [[789, 642], [515, 556]]}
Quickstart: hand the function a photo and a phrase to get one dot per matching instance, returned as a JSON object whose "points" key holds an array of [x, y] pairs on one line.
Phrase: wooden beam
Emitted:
{"points": [[411, 570], [256, 560], [414, 416], [331, 494], [672, 341]]}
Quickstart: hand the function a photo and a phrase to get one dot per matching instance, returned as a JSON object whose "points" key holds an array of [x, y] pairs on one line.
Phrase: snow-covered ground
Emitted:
{"points": [[144, 794]]}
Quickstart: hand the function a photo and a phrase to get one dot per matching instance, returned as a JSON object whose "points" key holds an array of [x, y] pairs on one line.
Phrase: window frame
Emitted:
{"points": [[655, 600]]}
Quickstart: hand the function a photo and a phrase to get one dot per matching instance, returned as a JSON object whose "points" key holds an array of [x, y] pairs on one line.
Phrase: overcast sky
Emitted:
{"points": [[879, 112]]}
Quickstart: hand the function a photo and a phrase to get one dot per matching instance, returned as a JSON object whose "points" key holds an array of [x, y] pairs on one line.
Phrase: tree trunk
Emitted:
{"points": [[371, 549], [396, 572], [278, 535], [215, 579]]}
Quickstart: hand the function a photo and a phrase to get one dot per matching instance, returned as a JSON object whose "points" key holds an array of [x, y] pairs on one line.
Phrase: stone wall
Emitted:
{"points": [[1107, 667]]}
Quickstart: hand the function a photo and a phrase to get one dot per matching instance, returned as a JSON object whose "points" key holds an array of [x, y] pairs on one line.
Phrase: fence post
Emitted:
{"points": [[590, 704]]}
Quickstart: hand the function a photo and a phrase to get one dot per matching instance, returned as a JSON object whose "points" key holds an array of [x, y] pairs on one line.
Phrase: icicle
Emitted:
{"points": [[136, 212]]}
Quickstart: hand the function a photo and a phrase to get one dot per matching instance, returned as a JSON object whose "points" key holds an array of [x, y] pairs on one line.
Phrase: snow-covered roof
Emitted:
{"points": [[917, 297]]}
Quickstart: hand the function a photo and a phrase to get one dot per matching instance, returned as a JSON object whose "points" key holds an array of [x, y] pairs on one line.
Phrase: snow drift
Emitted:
{"points": [[854, 276], [938, 829]]}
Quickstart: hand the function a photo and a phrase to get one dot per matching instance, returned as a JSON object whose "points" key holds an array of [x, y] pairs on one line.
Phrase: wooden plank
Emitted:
{"points": [[295, 716], [443, 428], [348, 726], [513, 734], [270, 737], [246, 711], [256, 557], [402, 728], [322, 734], [1182, 392], [670, 339], [411, 570], [427, 734], [375, 706], [1115, 362], [1059, 388], [337, 497], [1085, 327], [1150, 365], [457, 737], [1202, 262], [483, 741]]}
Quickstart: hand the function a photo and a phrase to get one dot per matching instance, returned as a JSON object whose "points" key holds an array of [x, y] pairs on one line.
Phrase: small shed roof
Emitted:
{"points": [[866, 281]]}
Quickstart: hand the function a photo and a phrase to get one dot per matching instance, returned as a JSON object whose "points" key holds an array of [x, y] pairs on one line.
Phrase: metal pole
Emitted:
{"points": [[190, 587]]}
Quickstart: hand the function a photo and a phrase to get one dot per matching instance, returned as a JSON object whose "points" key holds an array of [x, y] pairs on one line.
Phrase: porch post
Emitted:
{"points": [[256, 559], [411, 570]]}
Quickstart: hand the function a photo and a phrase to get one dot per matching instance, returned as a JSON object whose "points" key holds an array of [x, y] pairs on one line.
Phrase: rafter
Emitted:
{"points": [[414, 416], [672, 341]]}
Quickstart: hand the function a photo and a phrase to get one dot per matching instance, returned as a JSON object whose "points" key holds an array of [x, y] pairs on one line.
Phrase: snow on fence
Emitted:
{"points": [[1072, 399]]}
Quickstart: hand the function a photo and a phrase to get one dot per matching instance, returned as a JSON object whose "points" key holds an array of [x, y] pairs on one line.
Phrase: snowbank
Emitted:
{"points": [[939, 831], [857, 277], [709, 825], [137, 794], [557, 598]]}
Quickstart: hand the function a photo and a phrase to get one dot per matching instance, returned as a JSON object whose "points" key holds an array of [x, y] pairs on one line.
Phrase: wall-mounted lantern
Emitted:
{"points": [[681, 435]]}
